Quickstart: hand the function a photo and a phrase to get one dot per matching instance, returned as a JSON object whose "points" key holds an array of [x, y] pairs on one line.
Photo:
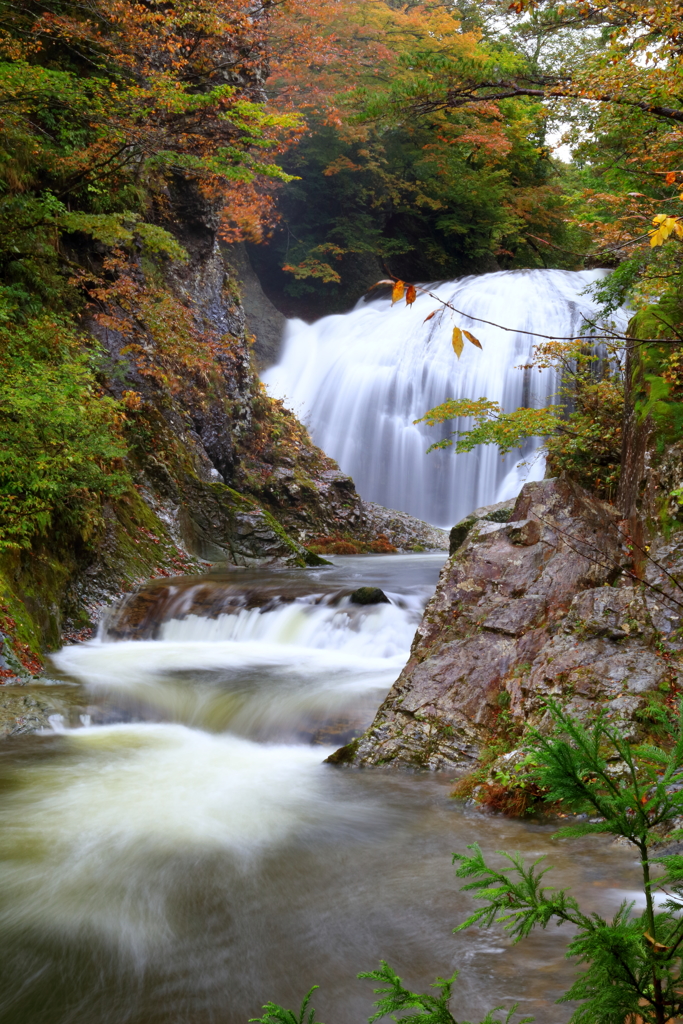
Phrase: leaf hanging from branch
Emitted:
{"points": [[458, 343], [398, 291], [432, 314], [411, 295], [471, 337]]}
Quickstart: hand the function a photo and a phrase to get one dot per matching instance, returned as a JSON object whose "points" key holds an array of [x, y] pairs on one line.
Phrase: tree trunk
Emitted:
{"points": [[635, 436]]}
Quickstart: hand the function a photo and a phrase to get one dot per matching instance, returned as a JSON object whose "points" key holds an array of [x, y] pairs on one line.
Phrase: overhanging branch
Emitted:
{"points": [[505, 91]]}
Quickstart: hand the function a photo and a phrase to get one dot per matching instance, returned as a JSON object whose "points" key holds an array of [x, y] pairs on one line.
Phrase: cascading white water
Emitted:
{"points": [[359, 380], [265, 672]]}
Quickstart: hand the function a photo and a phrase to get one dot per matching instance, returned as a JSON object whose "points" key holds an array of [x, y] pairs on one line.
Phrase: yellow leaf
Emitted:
{"points": [[458, 343], [411, 295], [398, 291], [658, 947], [470, 337]]}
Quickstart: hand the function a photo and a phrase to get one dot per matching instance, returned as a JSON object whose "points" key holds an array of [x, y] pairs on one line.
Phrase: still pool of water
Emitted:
{"points": [[185, 855]]}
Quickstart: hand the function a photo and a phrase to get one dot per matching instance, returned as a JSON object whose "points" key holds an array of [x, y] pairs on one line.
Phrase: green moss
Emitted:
{"points": [[346, 754], [17, 623], [43, 590], [300, 555]]}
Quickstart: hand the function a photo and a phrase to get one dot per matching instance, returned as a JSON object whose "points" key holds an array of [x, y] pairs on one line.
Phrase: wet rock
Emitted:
{"points": [[22, 713], [219, 524], [498, 513], [264, 321], [404, 531], [369, 595], [314, 500], [540, 606]]}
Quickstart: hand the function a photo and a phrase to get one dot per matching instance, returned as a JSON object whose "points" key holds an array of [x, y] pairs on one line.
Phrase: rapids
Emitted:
{"points": [[174, 851], [359, 380]]}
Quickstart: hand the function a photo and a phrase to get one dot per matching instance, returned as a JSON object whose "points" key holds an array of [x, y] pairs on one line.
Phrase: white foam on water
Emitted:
{"points": [[377, 631], [294, 663], [312, 639], [87, 838]]}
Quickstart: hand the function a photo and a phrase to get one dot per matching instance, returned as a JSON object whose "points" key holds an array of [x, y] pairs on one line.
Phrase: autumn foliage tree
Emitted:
{"points": [[380, 185], [108, 111]]}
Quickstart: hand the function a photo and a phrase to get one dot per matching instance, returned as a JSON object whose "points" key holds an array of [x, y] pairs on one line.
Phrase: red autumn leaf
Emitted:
{"points": [[411, 295]]}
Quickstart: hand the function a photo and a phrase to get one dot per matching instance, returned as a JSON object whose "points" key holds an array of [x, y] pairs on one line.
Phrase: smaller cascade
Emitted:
{"points": [[272, 658], [360, 380]]}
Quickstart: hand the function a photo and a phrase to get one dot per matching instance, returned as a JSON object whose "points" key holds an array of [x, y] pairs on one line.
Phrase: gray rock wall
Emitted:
{"points": [[542, 606]]}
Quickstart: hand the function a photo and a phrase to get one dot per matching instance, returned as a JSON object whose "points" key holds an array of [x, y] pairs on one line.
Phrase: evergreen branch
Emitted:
{"points": [[276, 1014], [519, 905], [432, 1009]]}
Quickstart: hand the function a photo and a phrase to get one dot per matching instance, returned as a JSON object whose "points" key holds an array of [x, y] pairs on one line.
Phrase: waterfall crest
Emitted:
{"points": [[359, 380]]}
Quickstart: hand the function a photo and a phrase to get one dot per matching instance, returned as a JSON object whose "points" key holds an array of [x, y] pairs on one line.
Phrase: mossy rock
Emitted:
{"points": [[345, 754], [501, 512], [369, 595]]}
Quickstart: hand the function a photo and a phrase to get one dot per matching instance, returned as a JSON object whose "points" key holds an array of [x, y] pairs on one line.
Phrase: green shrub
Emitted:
{"points": [[61, 444]]}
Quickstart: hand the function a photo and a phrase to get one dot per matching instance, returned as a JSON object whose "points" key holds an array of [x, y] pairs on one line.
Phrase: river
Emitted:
{"points": [[176, 852]]}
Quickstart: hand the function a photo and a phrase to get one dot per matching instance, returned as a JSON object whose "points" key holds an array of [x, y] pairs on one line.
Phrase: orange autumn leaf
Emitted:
{"points": [[398, 291], [432, 314], [670, 177], [471, 338], [411, 295]]}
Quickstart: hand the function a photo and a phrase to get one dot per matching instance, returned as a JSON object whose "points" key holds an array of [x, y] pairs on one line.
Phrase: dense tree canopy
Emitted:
{"points": [[107, 110], [427, 194], [348, 140]]}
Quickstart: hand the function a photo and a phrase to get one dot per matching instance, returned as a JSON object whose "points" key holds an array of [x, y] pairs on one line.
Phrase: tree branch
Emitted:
{"points": [[510, 90]]}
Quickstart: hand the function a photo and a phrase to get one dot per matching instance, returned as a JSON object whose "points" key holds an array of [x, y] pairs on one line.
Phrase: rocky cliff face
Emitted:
{"points": [[221, 472], [545, 605]]}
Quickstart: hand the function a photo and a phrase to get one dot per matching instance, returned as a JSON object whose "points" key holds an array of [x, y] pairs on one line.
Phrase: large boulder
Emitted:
{"points": [[404, 531], [544, 605]]}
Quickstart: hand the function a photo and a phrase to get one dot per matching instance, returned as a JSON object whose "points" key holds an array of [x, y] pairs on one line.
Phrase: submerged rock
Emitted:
{"points": [[540, 606], [369, 595]]}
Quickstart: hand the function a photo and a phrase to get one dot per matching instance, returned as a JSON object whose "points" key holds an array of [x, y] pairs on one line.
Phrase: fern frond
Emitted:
{"points": [[276, 1014]]}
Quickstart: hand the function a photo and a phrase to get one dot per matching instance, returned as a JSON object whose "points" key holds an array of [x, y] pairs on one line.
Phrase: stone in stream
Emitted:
{"points": [[369, 595], [542, 606]]}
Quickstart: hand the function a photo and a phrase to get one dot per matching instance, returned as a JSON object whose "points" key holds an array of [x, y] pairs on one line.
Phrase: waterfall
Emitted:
{"points": [[359, 380]]}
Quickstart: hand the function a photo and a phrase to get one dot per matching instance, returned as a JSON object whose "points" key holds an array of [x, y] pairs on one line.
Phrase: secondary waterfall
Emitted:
{"points": [[359, 380], [293, 668]]}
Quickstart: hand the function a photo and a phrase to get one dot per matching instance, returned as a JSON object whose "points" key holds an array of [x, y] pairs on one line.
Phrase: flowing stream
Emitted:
{"points": [[359, 380], [175, 851]]}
